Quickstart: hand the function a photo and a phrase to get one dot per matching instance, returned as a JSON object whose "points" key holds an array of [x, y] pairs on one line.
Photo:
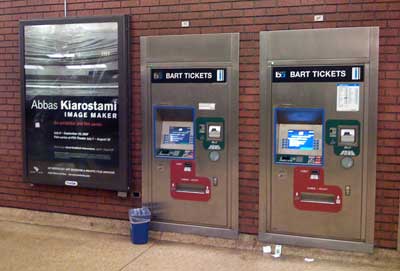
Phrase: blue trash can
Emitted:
{"points": [[140, 220]]}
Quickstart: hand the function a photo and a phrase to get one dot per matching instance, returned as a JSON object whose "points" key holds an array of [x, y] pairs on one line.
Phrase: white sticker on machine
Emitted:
{"points": [[348, 97], [206, 106]]}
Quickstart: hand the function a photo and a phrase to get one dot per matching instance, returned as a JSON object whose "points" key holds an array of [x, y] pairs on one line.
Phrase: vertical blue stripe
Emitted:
{"points": [[218, 75]]}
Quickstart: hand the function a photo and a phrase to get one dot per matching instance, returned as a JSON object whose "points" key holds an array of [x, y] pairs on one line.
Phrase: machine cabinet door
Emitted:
{"points": [[215, 211], [285, 217]]}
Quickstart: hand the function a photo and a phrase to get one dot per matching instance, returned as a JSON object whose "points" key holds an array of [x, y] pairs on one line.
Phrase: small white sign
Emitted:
{"points": [[267, 249], [185, 23], [206, 106], [71, 183], [348, 97], [318, 18]]}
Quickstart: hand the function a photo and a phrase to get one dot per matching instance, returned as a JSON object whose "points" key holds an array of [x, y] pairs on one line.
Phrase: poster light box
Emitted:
{"points": [[75, 102]]}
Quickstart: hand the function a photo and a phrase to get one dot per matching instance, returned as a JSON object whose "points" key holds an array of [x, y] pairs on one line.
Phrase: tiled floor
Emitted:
{"points": [[31, 247]]}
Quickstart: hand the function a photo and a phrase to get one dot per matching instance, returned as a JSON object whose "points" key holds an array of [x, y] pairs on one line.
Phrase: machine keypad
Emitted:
{"points": [[316, 145]]}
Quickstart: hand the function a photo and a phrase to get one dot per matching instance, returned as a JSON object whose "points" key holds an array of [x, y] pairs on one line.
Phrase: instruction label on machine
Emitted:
{"points": [[348, 97], [207, 106]]}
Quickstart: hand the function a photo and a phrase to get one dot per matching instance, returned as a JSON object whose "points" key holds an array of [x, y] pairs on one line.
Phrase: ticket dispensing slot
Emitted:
{"points": [[185, 185], [317, 198], [311, 194], [190, 188], [174, 132]]}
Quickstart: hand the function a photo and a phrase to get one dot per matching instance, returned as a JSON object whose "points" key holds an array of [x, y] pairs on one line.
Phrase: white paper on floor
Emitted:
{"points": [[278, 251]]}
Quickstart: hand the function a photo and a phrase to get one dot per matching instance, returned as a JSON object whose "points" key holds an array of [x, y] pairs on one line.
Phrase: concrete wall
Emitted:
{"points": [[162, 17]]}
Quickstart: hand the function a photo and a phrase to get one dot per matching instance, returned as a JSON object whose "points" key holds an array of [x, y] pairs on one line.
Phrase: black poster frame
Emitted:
{"points": [[124, 99]]}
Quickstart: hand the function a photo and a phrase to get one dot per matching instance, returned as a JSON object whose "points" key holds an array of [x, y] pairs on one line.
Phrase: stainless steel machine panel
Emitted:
{"points": [[215, 211], [306, 198], [319, 44], [287, 219], [198, 73]]}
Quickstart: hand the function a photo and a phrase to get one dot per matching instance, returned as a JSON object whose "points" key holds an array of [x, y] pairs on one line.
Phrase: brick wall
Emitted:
{"points": [[163, 17]]}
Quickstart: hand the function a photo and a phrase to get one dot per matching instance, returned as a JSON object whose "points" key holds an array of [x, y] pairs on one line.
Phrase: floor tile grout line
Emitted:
{"points": [[138, 256]]}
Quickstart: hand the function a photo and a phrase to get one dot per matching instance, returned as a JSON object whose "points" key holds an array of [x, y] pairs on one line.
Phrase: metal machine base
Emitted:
{"points": [[316, 242], [192, 229]]}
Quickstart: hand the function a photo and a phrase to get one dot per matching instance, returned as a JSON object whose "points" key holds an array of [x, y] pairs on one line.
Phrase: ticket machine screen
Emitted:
{"points": [[177, 135], [301, 140], [299, 136], [174, 132]]}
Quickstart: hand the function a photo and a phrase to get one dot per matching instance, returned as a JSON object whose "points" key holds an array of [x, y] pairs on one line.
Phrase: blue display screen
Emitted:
{"points": [[179, 135], [301, 140]]}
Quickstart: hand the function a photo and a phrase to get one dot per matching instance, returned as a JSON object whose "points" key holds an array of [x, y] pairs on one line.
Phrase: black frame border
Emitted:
{"points": [[124, 121]]}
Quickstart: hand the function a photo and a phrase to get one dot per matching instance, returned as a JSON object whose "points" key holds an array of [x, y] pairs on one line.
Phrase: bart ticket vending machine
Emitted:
{"points": [[190, 144], [318, 110]]}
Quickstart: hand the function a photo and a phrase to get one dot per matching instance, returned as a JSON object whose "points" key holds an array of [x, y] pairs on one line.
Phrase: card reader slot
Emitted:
{"points": [[191, 188], [317, 198]]}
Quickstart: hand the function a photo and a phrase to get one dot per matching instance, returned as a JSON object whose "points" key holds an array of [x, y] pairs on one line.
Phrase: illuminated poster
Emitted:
{"points": [[75, 95]]}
